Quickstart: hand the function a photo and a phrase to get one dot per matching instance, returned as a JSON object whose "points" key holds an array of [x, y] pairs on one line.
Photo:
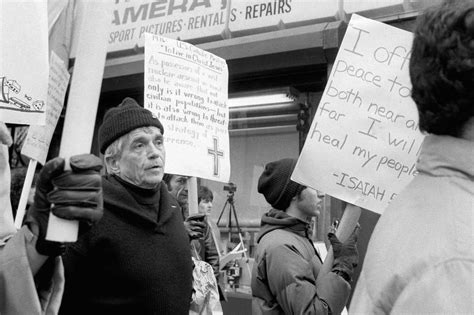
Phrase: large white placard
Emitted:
{"points": [[23, 61], [186, 87], [37, 141], [364, 140]]}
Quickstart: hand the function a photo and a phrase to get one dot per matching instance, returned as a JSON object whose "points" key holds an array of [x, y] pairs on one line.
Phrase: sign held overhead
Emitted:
{"points": [[364, 140], [24, 63], [186, 88]]}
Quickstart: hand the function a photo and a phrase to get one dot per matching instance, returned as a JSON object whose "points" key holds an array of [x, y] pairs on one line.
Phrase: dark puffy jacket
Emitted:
{"points": [[286, 268]]}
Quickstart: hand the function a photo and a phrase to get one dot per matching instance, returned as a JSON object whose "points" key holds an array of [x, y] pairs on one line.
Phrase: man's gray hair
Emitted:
{"points": [[113, 151]]}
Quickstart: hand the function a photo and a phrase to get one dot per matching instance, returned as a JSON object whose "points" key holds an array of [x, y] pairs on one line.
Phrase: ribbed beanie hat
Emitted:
{"points": [[275, 183], [122, 119]]}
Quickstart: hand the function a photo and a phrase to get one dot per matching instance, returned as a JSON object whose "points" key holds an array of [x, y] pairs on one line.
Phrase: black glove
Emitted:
{"points": [[71, 195], [195, 226], [346, 256]]}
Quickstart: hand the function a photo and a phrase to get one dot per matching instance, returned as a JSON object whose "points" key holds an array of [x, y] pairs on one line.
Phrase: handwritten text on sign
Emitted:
{"points": [[186, 87], [364, 139], [39, 137]]}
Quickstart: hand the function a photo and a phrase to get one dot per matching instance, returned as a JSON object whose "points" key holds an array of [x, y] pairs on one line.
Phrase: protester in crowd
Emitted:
{"points": [[202, 242], [31, 270], [420, 258], [205, 199], [137, 259], [206, 248], [286, 263], [205, 206], [177, 186]]}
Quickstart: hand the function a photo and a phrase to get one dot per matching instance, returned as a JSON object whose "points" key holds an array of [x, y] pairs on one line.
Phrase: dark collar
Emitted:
{"points": [[144, 196], [119, 200]]}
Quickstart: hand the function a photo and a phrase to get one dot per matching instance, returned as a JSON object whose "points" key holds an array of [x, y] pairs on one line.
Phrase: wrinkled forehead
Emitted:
{"points": [[148, 130]]}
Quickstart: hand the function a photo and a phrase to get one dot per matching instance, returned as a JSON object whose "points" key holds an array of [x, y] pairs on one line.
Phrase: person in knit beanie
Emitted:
{"points": [[286, 263], [137, 259], [124, 118], [275, 183], [118, 124]]}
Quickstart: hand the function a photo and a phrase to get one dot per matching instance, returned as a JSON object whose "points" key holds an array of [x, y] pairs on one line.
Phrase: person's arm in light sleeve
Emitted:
{"points": [[447, 288]]}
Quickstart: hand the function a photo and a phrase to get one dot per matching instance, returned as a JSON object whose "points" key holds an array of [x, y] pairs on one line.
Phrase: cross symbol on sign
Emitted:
{"points": [[216, 153]]}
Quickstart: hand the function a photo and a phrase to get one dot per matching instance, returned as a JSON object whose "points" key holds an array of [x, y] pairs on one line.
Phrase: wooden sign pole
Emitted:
{"points": [[20, 212], [192, 195]]}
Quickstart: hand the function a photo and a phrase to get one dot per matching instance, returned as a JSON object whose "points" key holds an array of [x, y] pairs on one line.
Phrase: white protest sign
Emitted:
{"points": [[37, 141], [83, 98], [23, 61], [186, 87], [6, 216], [364, 140]]}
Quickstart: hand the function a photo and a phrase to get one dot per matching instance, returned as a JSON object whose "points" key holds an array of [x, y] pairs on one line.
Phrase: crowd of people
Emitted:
{"points": [[137, 239]]}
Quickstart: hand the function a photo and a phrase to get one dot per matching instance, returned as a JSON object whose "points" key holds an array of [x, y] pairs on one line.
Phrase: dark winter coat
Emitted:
{"points": [[134, 261], [286, 268]]}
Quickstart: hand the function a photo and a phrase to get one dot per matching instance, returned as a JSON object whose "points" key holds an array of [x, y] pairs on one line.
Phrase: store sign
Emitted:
{"points": [[184, 19], [364, 140], [194, 19], [210, 20], [248, 16]]}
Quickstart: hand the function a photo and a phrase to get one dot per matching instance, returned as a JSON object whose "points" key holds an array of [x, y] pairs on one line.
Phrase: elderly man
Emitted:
{"points": [[420, 258], [137, 259]]}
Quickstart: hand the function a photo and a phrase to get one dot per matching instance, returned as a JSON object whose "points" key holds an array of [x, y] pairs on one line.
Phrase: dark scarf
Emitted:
{"points": [[148, 198]]}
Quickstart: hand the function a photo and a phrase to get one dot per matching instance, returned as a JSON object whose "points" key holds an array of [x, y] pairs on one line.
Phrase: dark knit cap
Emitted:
{"points": [[122, 119], [275, 183]]}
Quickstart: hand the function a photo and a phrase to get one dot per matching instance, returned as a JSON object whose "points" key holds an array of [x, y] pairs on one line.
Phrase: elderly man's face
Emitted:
{"points": [[143, 158]]}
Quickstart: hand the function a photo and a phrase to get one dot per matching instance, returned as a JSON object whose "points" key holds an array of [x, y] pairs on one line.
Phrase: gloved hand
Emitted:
{"points": [[346, 255], [71, 195], [195, 226]]}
